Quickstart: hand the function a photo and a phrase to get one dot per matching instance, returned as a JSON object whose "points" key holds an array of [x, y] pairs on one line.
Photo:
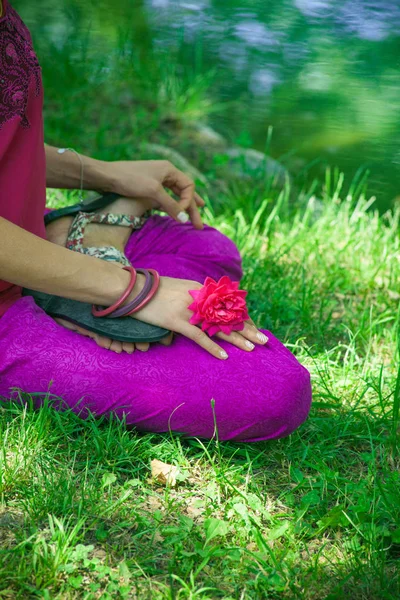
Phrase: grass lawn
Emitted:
{"points": [[314, 516]]}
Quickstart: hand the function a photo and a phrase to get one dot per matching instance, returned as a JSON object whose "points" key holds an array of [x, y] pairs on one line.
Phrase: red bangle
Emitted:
{"points": [[154, 288], [107, 311]]}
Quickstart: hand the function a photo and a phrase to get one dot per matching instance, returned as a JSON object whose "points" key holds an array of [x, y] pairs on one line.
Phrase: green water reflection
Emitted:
{"points": [[324, 74]]}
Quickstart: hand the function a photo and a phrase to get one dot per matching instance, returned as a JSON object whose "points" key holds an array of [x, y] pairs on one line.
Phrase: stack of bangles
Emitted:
{"points": [[152, 281]]}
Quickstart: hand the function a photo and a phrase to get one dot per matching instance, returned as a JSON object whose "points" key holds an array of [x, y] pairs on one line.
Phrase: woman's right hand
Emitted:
{"points": [[169, 309]]}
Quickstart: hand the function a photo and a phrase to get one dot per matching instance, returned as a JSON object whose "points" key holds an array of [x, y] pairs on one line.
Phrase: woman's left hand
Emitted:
{"points": [[146, 180]]}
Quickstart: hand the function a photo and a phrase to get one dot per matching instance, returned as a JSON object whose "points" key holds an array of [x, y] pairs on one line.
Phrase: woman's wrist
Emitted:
{"points": [[64, 171], [137, 288], [98, 175], [120, 288], [119, 281]]}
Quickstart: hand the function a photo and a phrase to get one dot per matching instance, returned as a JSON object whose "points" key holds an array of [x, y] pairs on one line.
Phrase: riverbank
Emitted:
{"points": [[314, 516]]}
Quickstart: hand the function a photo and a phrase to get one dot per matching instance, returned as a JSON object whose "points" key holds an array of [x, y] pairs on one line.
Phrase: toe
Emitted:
{"points": [[128, 347], [116, 346], [142, 346], [167, 341], [103, 342]]}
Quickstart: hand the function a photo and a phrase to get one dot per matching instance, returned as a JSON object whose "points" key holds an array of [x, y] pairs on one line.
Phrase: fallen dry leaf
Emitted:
{"points": [[337, 315], [163, 473], [99, 553], [252, 547], [195, 508], [393, 295], [158, 538], [154, 503]]}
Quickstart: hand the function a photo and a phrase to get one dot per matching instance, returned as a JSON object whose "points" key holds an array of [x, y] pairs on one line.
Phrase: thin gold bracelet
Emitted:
{"points": [[62, 151]]}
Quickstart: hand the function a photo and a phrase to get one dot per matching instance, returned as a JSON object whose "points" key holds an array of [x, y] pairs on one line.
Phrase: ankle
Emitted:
{"points": [[57, 231], [98, 235]]}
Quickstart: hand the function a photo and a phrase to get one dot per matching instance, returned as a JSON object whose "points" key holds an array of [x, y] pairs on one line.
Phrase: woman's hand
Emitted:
{"points": [[169, 309], [145, 180]]}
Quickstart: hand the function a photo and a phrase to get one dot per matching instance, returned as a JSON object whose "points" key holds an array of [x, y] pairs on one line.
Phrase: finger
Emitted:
{"points": [[116, 346], [194, 215], [128, 347], [251, 322], [167, 341], [190, 209], [184, 187], [181, 185], [250, 332], [142, 346], [170, 206], [236, 339], [199, 200], [199, 337]]}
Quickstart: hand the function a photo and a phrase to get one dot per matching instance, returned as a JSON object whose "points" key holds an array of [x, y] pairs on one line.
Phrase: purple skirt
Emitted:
{"points": [[252, 396]]}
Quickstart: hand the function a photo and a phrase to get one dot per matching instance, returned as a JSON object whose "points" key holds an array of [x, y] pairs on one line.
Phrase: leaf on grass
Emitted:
{"points": [[333, 518], [396, 536], [277, 532], [124, 571], [81, 552], [108, 479], [158, 538], [338, 314], [252, 547], [154, 504], [393, 295], [163, 473], [215, 527], [195, 508], [75, 582]]}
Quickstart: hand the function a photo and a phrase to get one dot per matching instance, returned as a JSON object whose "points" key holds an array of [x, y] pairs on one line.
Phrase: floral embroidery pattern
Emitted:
{"points": [[18, 64]]}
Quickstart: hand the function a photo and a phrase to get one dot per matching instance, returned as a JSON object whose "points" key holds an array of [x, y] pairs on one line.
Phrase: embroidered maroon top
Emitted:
{"points": [[22, 156]]}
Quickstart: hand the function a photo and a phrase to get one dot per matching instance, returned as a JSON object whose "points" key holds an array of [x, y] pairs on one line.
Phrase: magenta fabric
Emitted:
{"points": [[258, 395], [22, 155]]}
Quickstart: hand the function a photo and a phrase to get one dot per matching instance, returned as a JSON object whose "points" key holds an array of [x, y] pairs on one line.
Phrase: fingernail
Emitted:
{"points": [[183, 217], [262, 337], [223, 354], [249, 344]]}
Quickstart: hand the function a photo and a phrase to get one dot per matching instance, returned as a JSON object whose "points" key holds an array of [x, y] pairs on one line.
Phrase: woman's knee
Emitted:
{"points": [[180, 250], [278, 412], [221, 252]]}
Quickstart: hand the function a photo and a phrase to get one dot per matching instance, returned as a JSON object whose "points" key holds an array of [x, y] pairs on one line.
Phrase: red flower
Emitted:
{"points": [[219, 306]]}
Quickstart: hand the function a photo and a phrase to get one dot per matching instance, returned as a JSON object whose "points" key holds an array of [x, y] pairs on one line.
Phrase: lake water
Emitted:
{"points": [[324, 74]]}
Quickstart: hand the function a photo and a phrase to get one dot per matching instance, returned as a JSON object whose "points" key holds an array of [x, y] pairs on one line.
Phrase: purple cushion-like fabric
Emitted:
{"points": [[257, 395]]}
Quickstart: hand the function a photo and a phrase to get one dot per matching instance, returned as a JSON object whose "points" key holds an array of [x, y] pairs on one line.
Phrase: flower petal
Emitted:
{"points": [[213, 329], [226, 329]]}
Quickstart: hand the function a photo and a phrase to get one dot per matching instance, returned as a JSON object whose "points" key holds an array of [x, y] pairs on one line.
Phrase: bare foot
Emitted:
{"points": [[103, 235], [109, 344], [97, 234]]}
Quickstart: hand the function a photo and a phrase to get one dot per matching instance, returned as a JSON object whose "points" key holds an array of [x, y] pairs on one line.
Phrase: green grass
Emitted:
{"points": [[315, 516]]}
